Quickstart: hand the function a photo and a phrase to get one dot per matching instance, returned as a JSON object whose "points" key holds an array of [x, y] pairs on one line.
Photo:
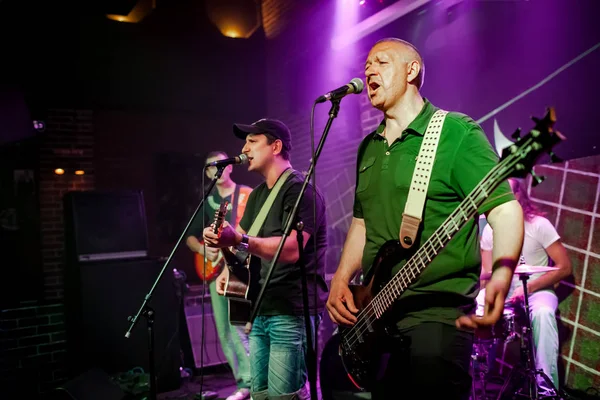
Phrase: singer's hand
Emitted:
{"points": [[228, 237]]}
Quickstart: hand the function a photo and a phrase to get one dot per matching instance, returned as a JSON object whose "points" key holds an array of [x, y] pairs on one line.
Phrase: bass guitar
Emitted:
{"points": [[355, 348]]}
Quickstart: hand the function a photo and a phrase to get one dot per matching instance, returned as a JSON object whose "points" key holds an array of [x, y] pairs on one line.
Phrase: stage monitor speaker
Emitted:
{"points": [[94, 384], [105, 225], [99, 297], [213, 353]]}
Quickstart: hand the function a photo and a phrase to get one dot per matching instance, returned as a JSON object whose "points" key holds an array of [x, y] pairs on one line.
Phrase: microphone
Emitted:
{"points": [[241, 159], [356, 85]]}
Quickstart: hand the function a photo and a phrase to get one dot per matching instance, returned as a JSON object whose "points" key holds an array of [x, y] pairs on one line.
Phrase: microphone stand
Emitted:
{"points": [[299, 225], [146, 310]]}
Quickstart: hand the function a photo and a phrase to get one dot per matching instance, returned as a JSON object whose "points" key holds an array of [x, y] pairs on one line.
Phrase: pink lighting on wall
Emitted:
{"points": [[354, 33]]}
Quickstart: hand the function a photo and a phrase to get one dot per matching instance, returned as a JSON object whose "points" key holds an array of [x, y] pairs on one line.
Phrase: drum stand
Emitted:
{"points": [[480, 358], [522, 380]]}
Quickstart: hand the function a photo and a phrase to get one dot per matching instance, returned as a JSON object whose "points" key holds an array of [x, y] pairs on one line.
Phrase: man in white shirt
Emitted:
{"points": [[540, 245]]}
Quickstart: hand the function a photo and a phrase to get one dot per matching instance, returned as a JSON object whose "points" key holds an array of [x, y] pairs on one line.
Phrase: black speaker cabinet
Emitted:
{"points": [[99, 297], [212, 354], [105, 225]]}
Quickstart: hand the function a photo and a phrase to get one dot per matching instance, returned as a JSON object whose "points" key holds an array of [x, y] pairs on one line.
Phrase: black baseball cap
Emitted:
{"points": [[273, 127]]}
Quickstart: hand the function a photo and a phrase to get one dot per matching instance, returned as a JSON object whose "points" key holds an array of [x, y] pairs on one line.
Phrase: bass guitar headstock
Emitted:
{"points": [[520, 157]]}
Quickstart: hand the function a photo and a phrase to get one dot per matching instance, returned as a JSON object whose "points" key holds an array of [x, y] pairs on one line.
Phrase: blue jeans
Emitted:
{"points": [[277, 357], [234, 342]]}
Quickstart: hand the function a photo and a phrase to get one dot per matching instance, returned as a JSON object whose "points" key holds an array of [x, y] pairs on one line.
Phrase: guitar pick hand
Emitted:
{"points": [[340, 304], [226, 238], [495, 294], [221, 281]]}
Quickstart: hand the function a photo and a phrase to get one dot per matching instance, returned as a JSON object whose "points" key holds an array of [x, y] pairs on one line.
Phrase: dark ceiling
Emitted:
{"points": [[65, 53]]}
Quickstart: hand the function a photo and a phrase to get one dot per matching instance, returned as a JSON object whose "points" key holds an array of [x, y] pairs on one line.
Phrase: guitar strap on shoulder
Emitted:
{"points": [[262, 215], [234, 205], [413, 211]]}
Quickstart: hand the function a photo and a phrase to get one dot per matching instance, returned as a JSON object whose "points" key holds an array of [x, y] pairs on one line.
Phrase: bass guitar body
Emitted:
{"points": [[351, 358]]}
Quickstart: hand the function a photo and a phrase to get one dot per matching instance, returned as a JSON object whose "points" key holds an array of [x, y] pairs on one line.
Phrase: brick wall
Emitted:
{"points": [[33, 335], [33, 350], [67, 144]]}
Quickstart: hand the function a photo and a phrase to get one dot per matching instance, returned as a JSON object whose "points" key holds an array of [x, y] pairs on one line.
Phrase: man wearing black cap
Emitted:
{"points": [[277, 339]]}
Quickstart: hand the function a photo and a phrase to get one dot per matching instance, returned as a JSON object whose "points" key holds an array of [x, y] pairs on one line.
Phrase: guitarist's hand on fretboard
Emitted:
{"points": [[227, 237]]}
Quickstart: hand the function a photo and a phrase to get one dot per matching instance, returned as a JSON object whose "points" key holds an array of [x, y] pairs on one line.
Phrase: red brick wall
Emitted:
{"points": [[68, 143], [33, 335]]}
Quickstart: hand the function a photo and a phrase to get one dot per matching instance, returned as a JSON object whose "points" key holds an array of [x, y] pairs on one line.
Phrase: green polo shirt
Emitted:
{"points": [[447, 287]]}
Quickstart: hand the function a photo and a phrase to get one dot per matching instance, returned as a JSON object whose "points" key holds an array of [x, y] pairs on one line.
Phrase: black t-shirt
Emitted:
{"points": [[213, 201], [283, 295]]}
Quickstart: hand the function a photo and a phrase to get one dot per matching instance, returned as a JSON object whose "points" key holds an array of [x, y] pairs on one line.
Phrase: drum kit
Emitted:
{"points": [[524, 380]]}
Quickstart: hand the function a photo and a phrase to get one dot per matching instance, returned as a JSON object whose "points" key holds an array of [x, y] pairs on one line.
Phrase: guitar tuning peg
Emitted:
{"points": [[536, 179], [517, 134], [554, 158]]}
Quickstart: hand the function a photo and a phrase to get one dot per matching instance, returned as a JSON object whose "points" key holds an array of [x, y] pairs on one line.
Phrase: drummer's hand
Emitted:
{"points": [[518, 296], [495, 294]]}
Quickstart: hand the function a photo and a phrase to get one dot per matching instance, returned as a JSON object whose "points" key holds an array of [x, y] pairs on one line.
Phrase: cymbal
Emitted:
{"points": [[523, 270], [532, 269]]}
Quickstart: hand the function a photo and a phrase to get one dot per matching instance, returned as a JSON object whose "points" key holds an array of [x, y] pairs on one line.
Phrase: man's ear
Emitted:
{"points": [[414, 69], [277, 146]]}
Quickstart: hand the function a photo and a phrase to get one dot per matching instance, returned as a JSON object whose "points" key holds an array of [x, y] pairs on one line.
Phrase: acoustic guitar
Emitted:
{"points": [[242, 285]]}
